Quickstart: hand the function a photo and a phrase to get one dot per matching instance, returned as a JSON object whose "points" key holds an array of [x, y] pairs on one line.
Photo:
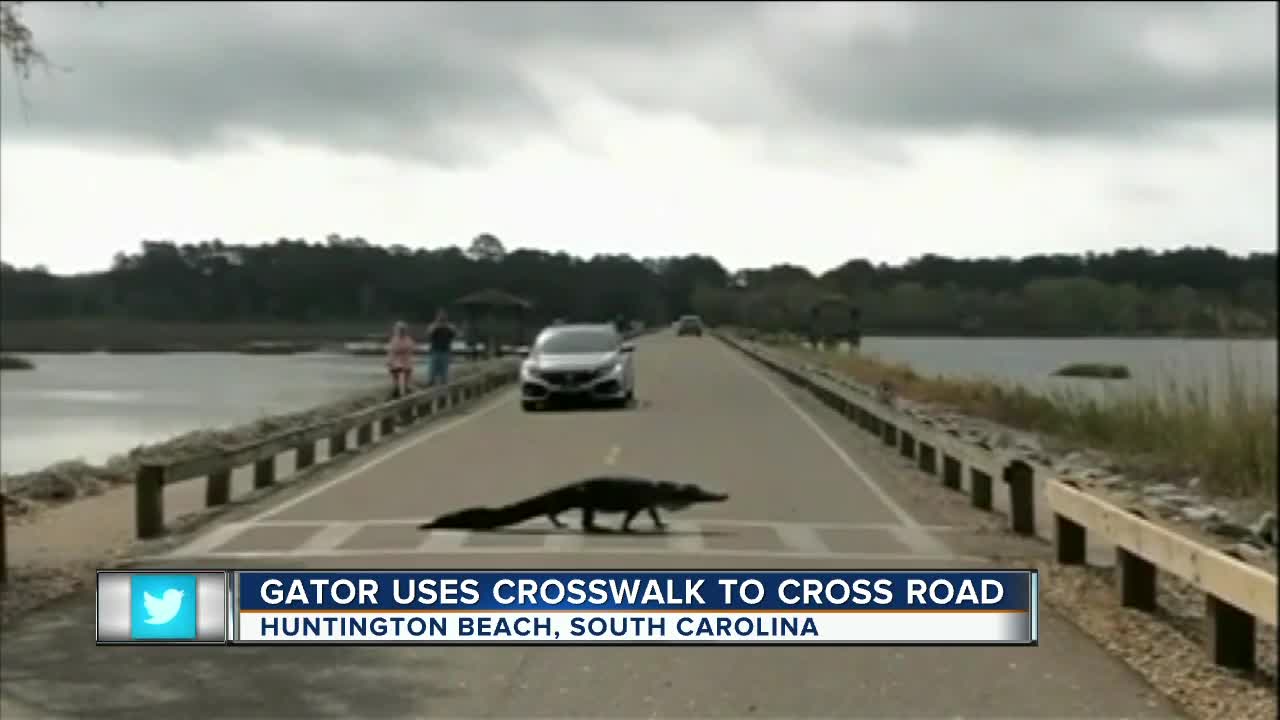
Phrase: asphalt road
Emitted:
{"points": [[804, 494]]}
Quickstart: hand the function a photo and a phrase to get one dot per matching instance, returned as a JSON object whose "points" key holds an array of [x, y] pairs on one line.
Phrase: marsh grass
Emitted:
{"points": [[1225, 433]]}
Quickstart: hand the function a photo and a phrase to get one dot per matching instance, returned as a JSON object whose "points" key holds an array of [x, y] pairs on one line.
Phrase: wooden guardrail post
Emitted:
{"points": [[851, 411], [148, 501], [1137, 581], [928, 459], [264, 473], [1022, 510], [217, 488], [337, 443], [1069, 539], [304, 456], [386, 426], [951, 472], [980, 489], [1231, 634], [4, 556], [364, 434], [907, 444]]}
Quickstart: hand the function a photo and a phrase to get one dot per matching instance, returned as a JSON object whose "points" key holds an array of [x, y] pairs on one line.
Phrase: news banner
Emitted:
{"points": [[232, 607]]}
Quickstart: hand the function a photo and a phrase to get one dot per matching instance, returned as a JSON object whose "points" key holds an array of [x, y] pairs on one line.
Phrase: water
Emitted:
{"points": [[95, 406], [1154, 363]]}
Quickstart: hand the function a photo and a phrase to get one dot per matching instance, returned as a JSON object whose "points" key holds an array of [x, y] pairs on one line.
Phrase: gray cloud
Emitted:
{"points": [[439, 81], [1050, 68]]}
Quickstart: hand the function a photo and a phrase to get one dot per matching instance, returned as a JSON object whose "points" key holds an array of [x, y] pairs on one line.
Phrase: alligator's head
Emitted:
{"points": [[673, 496], [469, 519]]}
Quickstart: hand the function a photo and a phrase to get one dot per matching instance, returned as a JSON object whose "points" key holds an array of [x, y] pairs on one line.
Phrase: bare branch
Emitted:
{"points": [[17, 40]]}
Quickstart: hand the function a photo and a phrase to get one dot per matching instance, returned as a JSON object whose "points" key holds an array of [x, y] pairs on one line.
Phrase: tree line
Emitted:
{"points": [[1202, 291]]}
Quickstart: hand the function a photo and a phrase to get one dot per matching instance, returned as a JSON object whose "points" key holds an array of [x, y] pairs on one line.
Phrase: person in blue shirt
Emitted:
{"points": [[440, 337]]}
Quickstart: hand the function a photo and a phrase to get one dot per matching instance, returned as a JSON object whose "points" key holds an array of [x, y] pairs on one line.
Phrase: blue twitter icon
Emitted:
{"points": [[163, 607]]}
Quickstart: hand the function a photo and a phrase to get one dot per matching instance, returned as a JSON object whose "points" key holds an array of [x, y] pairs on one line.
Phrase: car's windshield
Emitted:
{"points": [[586, 340]]}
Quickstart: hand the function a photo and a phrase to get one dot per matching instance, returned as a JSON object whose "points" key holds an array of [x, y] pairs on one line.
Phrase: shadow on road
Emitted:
{"points": [[645, 532], [566, 406], [53, 669]]}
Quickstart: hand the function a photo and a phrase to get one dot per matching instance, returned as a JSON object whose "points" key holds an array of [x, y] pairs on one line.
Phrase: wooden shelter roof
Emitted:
{"points": [[493, 298]]}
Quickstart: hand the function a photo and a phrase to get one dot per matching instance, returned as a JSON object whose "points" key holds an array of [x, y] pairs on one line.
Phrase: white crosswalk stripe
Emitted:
{"points": [[686, 537], [802, 538], [284, 539], [329, 537]]}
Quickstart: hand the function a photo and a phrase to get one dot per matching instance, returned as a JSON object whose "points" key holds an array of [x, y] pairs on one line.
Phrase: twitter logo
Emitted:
{"points": [[163, 607]]}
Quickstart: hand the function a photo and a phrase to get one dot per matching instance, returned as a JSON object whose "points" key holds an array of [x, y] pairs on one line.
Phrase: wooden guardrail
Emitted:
{"points": [[216, 468], [1238, 594]]}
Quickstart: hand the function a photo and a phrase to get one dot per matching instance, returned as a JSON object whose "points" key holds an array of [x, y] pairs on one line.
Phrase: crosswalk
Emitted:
{"points": [[708, 537]]}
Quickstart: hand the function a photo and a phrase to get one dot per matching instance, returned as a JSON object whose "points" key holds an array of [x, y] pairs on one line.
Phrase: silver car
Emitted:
{"points": [[579, 362]]}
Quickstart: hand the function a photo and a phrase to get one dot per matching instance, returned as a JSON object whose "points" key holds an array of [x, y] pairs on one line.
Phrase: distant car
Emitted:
{"points": [[591, 363], [689, 325]]}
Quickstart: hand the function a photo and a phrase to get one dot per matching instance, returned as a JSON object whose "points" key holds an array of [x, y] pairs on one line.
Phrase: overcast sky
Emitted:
{"points": [[756, 133]]}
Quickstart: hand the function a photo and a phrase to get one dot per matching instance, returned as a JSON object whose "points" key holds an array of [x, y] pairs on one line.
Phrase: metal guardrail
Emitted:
{"points": [[1238, 594]]}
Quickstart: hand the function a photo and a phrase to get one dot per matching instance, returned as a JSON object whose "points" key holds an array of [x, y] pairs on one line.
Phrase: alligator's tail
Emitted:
{"points": [[482, 518], [477, 518]]}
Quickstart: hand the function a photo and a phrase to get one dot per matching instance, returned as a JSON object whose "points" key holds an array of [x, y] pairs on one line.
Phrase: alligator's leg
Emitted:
{"points": [[626, 521], [589, 521], [657, 521]]}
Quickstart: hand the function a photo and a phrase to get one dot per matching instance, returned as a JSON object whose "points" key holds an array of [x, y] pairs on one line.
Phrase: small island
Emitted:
{"points": [[13, 362], [1098, 371]]}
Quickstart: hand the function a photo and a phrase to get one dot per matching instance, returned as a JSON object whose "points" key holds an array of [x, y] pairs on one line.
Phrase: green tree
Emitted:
{"points": [[486, 247], [348, 278]]}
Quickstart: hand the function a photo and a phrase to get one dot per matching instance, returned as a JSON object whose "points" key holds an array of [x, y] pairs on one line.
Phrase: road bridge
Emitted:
{"points": [[807, 490]]}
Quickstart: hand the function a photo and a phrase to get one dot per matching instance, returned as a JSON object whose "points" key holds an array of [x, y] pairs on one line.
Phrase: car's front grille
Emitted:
{"points": [[570, 378]]}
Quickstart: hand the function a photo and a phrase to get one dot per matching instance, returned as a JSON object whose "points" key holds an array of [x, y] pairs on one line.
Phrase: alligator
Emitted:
{"points": [[613, 494]]}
